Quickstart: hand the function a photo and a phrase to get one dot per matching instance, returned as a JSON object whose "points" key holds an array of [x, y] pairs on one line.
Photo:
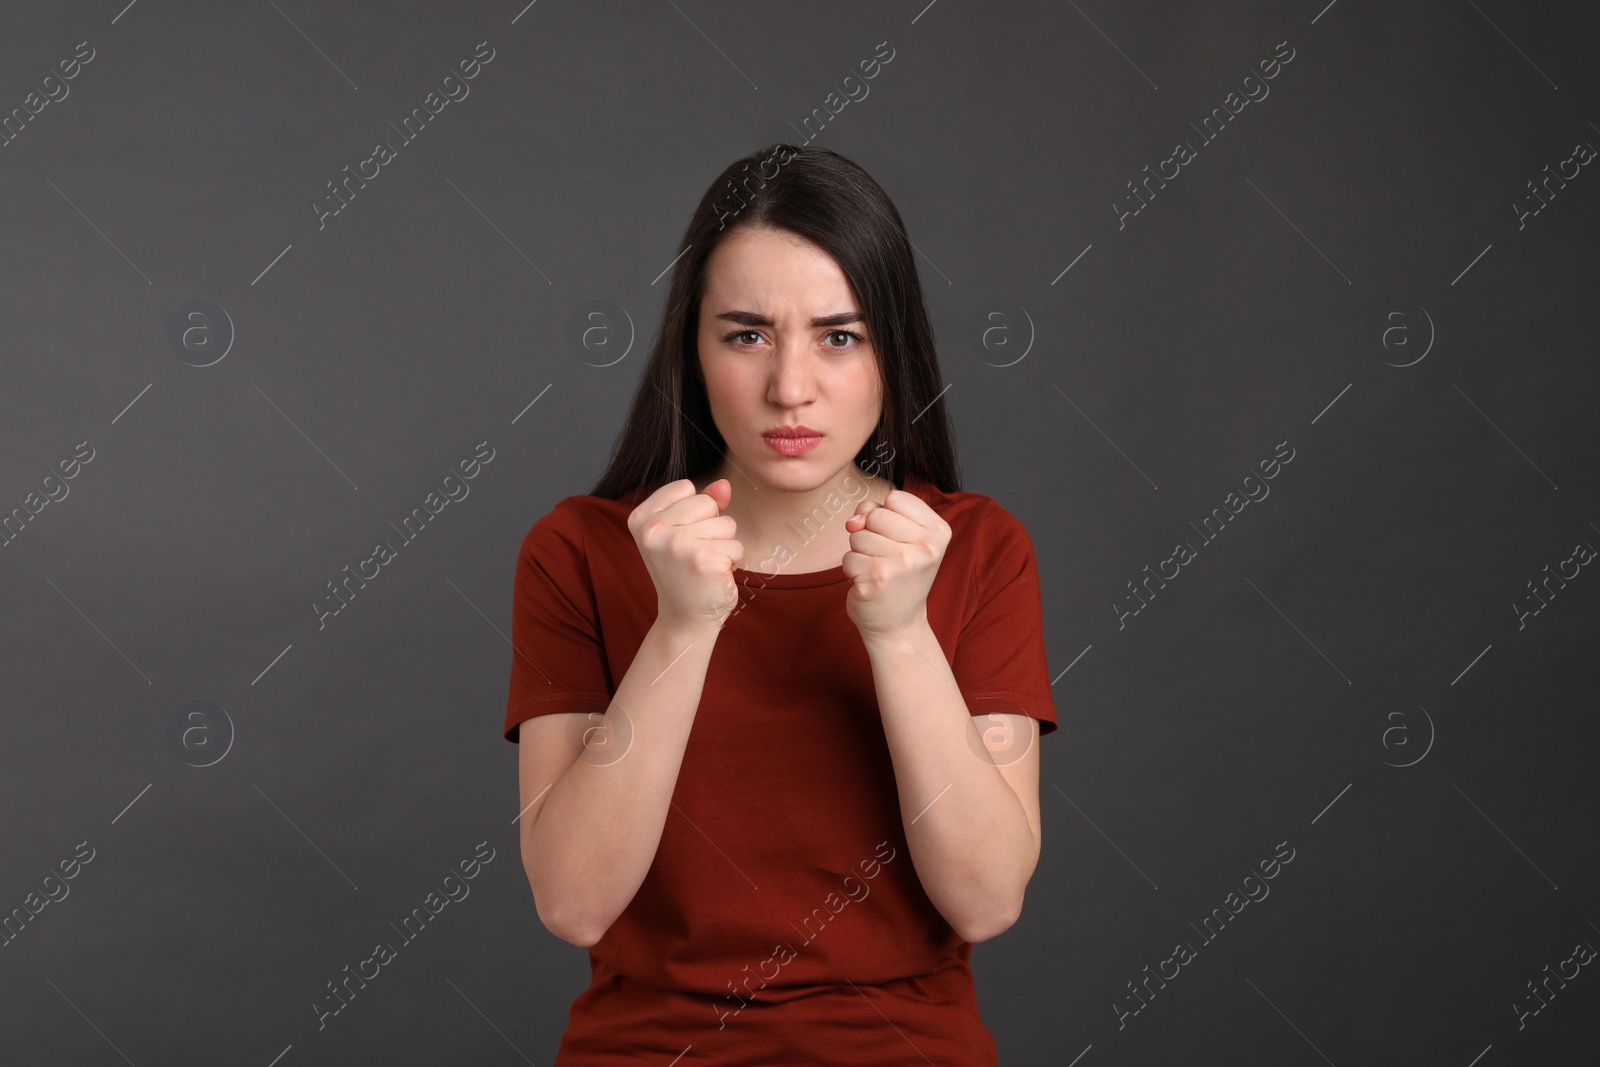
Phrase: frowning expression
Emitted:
{"points": [[783, 346]]}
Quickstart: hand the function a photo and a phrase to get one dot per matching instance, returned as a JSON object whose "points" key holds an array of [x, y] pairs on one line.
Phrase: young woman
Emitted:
{"points": [[777, 681]]}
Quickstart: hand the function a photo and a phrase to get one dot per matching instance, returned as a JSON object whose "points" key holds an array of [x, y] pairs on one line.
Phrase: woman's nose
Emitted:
{"points": [[793, 374]]}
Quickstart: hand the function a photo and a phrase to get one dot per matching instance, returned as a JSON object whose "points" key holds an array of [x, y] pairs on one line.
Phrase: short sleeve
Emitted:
{"points": [[999, 664], [558, 660]]}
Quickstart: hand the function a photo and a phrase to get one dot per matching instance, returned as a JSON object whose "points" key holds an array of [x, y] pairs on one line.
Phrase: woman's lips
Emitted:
{"points": [[792, 446]]}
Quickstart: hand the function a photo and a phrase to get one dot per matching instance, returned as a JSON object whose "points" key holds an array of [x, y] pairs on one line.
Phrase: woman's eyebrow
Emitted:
{"points": [[750, 318]]}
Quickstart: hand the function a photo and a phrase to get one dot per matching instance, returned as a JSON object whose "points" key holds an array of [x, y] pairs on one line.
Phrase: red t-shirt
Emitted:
{"points": [[781, 921]]}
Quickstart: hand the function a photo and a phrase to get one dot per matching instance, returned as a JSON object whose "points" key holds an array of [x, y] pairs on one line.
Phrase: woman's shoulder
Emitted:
{"points": [[977, 518], [579, 529], [581, 513]]}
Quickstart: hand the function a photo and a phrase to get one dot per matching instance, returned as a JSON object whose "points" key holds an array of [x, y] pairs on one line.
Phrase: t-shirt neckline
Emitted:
{"points": [[805, 580]]}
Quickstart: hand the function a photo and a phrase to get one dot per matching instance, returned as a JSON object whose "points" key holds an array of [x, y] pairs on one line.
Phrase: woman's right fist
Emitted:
{"points": [[690, 550]]}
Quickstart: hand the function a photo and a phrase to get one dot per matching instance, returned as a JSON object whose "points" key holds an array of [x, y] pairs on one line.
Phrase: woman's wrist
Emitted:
{"points": [[688, 630]]}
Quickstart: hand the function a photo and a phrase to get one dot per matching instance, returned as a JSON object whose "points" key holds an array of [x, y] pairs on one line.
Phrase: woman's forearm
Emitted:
{"points": [[597, 832], [969, 835]]}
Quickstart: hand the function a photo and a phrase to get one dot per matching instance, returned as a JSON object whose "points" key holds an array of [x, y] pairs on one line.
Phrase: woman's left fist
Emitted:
{"points": [[895, 551]]}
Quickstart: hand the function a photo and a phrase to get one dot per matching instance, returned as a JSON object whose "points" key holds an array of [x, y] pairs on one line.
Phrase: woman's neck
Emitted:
{"points": [[797, 532]]}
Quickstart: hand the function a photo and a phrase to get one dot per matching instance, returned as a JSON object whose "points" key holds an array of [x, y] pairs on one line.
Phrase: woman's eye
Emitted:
{"points": [[754, 338]]}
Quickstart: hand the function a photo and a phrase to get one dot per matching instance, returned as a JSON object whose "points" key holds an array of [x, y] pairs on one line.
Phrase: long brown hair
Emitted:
{"points": [[835, 204]]}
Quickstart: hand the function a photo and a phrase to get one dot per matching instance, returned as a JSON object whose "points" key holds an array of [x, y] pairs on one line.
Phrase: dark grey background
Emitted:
{"points": [[1252, 702]]}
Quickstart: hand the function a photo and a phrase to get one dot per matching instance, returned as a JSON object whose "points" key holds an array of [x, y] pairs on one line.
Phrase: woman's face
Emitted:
{"points": [[782, 344]]}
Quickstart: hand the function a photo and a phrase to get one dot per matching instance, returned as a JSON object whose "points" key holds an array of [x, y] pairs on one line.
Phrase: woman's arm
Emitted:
{"points": [[971, 822], [970, 803], [591, 825]]}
